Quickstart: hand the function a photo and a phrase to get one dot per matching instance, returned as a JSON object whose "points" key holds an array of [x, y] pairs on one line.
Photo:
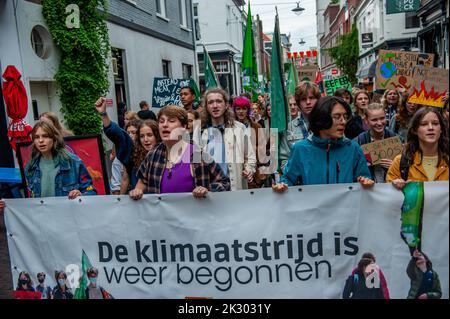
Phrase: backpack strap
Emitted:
{"points": [[404, 167]]}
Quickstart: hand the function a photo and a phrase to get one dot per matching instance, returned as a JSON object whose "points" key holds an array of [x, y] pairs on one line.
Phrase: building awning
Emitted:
{"points": [[367, 70]]}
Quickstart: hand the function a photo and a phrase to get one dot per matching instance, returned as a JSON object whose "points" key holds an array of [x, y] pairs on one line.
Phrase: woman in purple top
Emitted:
{"points": [[175, 165]]}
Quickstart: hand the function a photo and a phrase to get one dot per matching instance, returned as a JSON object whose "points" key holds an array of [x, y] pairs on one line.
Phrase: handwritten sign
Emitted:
{"points": [[167, 91], [340, 82], [429, 86], [394, 68], [307, 73], [387, 148]]}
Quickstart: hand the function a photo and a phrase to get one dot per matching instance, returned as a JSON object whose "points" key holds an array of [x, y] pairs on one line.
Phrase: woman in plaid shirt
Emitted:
{"points": [[175, 165]]}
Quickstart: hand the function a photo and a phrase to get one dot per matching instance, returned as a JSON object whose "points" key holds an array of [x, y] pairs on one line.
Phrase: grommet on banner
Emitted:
{"points": [[15, 267], [252, 193], [300, 189], [350, 187], [10, 235], [79, 200], [42, 202], [118, 199], [159, 197]]}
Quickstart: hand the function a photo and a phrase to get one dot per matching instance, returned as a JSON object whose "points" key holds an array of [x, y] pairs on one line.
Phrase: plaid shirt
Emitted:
{"points": [[206, 173]]}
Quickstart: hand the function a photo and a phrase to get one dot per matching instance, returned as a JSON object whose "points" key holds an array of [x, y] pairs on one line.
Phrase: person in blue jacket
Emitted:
{"points": [[52, 170], [326, 156]]}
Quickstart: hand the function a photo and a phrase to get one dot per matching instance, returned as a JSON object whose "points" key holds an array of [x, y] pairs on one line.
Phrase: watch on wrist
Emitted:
{"points": [[103, 113]]}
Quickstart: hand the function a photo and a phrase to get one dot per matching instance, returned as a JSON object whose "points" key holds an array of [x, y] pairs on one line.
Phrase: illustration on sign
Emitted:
{"points": [[429, 86], [394, 68]]}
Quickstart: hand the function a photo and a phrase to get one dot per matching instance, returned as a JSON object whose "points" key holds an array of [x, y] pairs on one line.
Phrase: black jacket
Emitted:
{"points": [[356, 288]]}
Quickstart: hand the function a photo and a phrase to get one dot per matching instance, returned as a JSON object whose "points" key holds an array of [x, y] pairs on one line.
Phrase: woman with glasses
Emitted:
{"points": [[326, 156]]}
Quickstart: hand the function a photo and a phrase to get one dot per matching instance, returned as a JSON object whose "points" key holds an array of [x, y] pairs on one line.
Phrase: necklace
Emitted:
{"points": [[169, 166]]}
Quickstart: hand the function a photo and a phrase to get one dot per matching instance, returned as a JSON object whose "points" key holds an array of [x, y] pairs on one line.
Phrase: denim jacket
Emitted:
{"points": [[72, 174]]}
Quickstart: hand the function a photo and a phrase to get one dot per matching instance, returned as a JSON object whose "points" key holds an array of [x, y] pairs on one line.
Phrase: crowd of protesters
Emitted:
{"points": [[322, 144], [224, 143]]}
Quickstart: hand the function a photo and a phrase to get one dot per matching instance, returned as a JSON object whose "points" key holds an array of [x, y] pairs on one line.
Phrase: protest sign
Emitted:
{"points": [[167, 91], [340, 82], [244, 244], [387, 148], [429, 86], [308, 73], [394, 68]]}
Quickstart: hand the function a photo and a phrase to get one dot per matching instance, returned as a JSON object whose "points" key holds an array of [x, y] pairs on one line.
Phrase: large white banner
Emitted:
{"points": [[245, 244]]}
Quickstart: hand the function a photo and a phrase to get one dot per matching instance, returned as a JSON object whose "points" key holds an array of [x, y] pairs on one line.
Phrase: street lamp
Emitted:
{"points": [[298, 10], [302, 42]]}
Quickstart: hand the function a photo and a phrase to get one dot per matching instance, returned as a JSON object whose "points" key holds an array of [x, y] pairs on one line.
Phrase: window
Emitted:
{"points": [[40, 41], [187, 71], [201, 67], [166, 68], [221, 66], [196, 23], [411, 20], [161, 8], [183, 13]]}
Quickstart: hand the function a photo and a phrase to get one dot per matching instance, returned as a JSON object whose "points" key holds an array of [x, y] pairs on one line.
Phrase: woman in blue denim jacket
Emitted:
{"points": [[52, 170]]}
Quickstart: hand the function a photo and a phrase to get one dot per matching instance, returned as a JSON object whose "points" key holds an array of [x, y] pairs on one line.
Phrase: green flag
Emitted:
{"points": [[211, 80], [80, 292], [279, 109], [249, 66], [292, 81], [412, 211], [194, 86]]}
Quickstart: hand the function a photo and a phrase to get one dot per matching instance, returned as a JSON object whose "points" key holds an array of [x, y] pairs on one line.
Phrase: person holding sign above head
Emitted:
{"points": [[176, 166], [326, 156], [375, 119], [426, 154]]}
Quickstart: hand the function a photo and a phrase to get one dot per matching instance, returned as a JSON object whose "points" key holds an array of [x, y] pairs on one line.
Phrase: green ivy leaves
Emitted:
{"points": [[82, 75]]}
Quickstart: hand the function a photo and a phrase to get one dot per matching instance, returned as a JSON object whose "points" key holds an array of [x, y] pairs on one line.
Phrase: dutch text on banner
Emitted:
{"points": [[246, 244]]}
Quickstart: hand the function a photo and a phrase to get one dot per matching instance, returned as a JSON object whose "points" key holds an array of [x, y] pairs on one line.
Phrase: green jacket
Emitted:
{"points": [[416, 276]]}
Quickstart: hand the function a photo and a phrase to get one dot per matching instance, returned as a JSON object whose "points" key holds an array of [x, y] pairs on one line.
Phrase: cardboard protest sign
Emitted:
{"points": [[387, 148], [340, 82], [429, 86], [394, 68], [167, 91], [308, 73]]}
